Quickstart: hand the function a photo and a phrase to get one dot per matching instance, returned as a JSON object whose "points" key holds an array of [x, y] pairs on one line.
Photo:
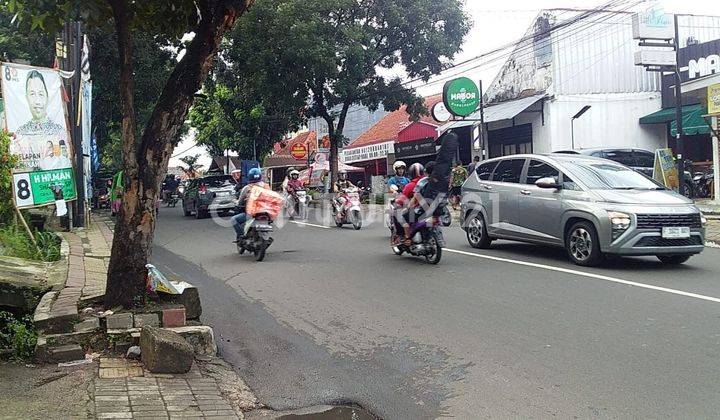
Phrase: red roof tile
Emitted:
{"points": [[389, 126], [283, 156]]}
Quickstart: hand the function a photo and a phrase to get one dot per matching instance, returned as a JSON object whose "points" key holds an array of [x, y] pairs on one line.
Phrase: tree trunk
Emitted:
{"points": [[146, 161]]}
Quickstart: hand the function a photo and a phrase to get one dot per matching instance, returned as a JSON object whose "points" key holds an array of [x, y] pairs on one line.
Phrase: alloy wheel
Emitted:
{"points": [[580, 244]]}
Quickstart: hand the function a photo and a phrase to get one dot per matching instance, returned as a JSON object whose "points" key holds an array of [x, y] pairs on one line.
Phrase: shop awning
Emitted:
{"points": [[498, 112], [693, 121]]}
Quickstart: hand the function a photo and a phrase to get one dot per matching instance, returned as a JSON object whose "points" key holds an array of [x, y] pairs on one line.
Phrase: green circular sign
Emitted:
{"points": [[461, 96]]}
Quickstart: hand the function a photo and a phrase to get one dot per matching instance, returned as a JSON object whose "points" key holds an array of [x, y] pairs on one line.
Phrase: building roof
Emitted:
{"points": [[282, 157], [219, 163], [390, 125]]}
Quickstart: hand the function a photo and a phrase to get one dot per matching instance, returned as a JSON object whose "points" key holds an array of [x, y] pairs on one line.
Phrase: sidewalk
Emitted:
{"points": [[94, 383]]}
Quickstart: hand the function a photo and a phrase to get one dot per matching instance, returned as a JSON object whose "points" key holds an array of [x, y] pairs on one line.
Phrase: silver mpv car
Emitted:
{"points": [[590, 206]]}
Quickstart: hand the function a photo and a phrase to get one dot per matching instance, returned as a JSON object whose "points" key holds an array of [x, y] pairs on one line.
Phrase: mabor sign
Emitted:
{"points": [[461, 96]]}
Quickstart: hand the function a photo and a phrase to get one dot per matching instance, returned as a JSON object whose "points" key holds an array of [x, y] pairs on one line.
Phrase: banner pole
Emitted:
{"points": [[27, 228]]}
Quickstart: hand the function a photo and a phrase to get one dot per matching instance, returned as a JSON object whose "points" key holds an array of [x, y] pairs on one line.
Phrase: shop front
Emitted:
{"points": [[372, 158]]}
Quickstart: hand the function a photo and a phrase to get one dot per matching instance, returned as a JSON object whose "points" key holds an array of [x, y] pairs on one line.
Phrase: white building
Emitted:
{"points": [[557, 71]]}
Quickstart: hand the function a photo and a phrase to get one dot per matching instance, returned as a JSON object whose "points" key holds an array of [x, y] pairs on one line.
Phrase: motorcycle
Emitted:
{"points": [[390, 208], [427, 240], [346, 209], [172, 198], [297, 204], [256, 238], [445, 216], [702, 180]]}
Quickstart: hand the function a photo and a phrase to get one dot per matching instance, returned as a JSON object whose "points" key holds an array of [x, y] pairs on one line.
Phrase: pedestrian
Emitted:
{"points": [[459, 175], [471, 167]]}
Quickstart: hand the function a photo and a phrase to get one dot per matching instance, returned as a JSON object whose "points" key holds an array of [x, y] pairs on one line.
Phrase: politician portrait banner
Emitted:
{"points": [[35, 119]]}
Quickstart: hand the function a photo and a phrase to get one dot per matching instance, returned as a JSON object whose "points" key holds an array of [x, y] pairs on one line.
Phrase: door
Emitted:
{"points": [[481, 193], [506, 185], [540, 209]]}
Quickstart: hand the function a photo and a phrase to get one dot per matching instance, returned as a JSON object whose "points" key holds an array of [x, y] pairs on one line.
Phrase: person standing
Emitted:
{"points": [[471, 167], [459, 175]]}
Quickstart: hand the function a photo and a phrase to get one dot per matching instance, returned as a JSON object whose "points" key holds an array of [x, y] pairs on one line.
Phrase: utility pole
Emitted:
{"points": [[678, 112], [72, 38]]}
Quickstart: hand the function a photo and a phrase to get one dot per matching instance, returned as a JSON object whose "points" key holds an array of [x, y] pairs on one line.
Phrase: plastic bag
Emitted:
{"points": [[157, 282]]}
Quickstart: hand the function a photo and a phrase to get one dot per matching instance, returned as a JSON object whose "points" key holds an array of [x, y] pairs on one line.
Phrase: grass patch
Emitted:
{"points": [[17, 334], [15, 242]]}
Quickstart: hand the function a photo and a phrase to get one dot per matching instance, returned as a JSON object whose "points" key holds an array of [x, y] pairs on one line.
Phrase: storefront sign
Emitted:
{"points": [[653, 24], [35, 115], [665, 170], [461, 96], [713, 94], [299, 151], [417, 148], [372, 152], [440, 112], [704, 66]]}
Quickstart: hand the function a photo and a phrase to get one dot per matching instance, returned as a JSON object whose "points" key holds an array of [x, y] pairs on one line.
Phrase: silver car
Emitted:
{"points": [[590, 206]]}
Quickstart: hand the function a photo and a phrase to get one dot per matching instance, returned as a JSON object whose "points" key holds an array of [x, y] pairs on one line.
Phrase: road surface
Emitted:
{"points": [[332, 315]]}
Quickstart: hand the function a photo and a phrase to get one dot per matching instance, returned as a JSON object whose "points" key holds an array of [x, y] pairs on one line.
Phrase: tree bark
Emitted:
{"points": [[146, 161]]}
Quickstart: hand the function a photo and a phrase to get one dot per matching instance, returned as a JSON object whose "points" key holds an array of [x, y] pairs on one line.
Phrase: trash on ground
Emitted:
{"points": [[157, 282]]}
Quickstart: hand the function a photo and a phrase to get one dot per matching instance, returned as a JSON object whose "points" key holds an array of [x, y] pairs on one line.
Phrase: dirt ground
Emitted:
{"points": [[47, 392]]}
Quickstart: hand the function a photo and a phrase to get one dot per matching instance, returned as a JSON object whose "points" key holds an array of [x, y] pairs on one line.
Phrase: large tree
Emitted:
{"points": [[145, 156], [334, 52]]}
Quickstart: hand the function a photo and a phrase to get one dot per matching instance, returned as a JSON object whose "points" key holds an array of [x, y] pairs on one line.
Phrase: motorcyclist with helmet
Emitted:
{"points": [[409, 200], [294, 185], [399, 180], [287, 177], [238, 221], [340, 186]]}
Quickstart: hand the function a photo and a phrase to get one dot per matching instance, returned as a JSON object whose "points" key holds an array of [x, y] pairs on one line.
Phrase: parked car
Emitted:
{"points": [[212, 192], [590, 206]]}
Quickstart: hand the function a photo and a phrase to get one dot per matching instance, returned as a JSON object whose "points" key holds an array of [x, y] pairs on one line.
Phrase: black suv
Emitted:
{"points": [[212, 192]]}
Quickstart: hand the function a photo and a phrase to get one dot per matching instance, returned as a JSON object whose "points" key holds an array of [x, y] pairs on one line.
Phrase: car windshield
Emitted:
{"points": [[609, 176], [218, 181]]}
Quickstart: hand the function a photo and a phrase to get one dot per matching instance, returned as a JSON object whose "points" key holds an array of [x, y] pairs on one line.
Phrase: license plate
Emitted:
{"points": [[675, 232]]}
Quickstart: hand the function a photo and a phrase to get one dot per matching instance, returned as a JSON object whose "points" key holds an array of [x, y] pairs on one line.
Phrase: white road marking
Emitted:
{"points": [[585, 274], [310, 224]]}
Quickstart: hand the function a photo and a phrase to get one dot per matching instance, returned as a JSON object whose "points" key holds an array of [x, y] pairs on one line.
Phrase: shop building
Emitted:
{"points": [[534, 104], [285, 156]]}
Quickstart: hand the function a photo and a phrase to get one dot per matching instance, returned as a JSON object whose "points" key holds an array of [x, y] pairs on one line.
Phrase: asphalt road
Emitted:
{"points": [[516, 331]]}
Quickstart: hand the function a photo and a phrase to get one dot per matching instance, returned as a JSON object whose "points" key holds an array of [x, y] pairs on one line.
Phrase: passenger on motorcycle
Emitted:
{"points": [[407, 200], [238, 221], [399, 180]]}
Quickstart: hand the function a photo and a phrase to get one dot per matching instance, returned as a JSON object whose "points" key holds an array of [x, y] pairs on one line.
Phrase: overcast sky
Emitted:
{"points": [[499, 23]]}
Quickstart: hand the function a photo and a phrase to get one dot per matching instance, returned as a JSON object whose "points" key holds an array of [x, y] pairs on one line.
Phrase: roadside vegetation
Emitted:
{"points": [[17, 337]]}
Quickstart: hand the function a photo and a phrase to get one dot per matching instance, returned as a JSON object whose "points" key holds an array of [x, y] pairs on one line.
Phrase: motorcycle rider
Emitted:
{"points": [[294, 184], [340, 186], [287, 177], [238, 221], [402, 223], [399, 180]]}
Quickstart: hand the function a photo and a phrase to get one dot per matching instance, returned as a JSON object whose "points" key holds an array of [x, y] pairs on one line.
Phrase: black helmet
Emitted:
{"points": [[416, 170]]}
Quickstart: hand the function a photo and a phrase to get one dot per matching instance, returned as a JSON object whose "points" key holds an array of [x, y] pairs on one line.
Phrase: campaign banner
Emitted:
{"points": [[35, 119]]}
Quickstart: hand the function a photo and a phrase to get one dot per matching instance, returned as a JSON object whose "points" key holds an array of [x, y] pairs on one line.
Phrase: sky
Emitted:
{"points": [[496, 24]]}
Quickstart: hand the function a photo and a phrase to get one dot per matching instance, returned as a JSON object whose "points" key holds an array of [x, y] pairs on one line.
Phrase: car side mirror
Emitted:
{"points": [[548, 182]]}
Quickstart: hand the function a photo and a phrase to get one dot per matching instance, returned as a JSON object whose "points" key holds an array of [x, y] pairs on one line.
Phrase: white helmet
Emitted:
{"points": [[399, 164], [294, 173]]}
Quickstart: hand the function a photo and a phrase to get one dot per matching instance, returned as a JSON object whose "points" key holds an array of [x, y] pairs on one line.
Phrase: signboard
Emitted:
{"points": [[461, 96], [372, 152], [665, 170], [36, 188], [299, 151], [35, 115], [440, 113], [713, 94], [655, 58], [422, 147], [653, 24]]}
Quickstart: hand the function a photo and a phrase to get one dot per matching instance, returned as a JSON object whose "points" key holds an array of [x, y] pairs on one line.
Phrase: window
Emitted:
{"points": [[624, 157], [218, 181], [537, 170], [509, 171], [609, 176], [485, 170], [644, 159], [569, 184]]}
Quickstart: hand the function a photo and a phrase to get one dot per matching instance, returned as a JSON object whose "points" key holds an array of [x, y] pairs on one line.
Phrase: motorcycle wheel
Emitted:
{"points": [[434, 258], [356, 220], [260, 252], [241, 249], [446, 217]]}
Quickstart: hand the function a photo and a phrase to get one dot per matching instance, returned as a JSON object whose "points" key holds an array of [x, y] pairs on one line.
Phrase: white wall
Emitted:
{"points": [[612, 121]]}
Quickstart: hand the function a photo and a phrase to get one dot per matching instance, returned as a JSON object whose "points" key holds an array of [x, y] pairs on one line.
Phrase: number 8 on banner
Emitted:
{"points": [[22, 190]]}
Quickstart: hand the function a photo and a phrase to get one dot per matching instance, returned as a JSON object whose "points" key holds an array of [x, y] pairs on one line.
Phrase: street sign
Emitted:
{"points": [[713, 94], [440, 112], [32, 189], [299, 151], [461, 96]]}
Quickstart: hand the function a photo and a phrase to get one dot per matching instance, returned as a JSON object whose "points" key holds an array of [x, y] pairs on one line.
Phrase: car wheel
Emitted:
{"points": [[583, 245], [477, 234], [673, 259]]}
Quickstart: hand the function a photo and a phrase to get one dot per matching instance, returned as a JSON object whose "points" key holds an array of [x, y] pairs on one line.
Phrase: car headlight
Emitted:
{"points": [[620, 223]]}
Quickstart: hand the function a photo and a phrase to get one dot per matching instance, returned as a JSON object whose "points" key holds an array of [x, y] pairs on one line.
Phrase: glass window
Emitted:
{"points": [[569, 184], [485, 170], [621, 156], [218, 181], [609, 176], [644, 159], [509, 171], [537, 170]]}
